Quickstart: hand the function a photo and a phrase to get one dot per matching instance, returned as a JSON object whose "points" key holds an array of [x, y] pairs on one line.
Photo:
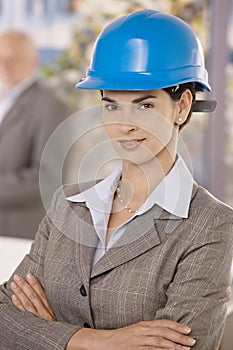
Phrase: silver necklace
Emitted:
{"points": [[123, 202]]}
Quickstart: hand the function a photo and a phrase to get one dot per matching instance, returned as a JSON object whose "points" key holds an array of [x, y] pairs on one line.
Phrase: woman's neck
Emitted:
{"points": [[138, 181]]}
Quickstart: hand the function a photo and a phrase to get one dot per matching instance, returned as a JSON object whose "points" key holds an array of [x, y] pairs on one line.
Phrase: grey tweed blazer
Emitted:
{"points": [[162, 267]]}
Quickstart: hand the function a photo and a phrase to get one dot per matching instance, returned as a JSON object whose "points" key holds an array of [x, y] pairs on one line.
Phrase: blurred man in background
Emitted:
{"points": [[28, 115]]}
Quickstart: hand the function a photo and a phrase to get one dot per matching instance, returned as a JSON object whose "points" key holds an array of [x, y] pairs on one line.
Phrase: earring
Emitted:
{"points": [[180, 120]]}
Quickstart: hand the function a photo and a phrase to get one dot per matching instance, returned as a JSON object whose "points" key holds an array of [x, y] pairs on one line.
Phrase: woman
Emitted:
{"points": [[140, 260]]}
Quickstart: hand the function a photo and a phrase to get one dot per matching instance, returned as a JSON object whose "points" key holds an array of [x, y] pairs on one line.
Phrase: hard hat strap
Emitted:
{"points": [[206, 106]]}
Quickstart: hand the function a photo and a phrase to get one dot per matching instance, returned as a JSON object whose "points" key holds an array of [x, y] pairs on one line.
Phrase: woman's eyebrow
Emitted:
{"points": [[136, 100], [140, 99], [107, 99]]}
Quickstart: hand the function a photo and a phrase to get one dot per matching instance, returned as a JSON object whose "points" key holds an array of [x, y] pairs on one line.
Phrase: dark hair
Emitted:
{"points": [[175, 93]]}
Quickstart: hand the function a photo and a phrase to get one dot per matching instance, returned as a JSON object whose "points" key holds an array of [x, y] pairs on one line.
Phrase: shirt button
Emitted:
{"points": [[83, 291], [86, 325]]}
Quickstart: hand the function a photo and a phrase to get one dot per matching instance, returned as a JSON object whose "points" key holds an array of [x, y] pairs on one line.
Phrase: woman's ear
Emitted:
{"points": [[184, 105]]}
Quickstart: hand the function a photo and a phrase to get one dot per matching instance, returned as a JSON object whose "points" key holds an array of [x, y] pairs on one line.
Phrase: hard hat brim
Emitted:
{"points": [[145, 80]]}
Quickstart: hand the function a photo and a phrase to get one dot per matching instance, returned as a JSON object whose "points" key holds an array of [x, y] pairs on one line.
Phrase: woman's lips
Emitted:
{"points": [[131, 144]]}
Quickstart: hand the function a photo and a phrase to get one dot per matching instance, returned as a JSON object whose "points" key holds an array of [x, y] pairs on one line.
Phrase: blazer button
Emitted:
{"points": [[86, 325], [83, 291]]}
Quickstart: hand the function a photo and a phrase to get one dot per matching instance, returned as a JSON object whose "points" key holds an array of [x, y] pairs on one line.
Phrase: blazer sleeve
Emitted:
{"points": [[23, 330], [200, 289]]}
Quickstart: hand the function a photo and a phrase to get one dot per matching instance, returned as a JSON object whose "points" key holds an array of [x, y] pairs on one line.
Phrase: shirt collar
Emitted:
{"points": [[99, 197], [173, 193]]}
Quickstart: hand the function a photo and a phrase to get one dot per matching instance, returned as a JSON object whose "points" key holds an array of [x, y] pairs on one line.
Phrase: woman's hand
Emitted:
{"points": [[28, 295], [147, 335]]}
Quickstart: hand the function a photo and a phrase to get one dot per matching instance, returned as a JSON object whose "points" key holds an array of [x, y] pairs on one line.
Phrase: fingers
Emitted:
{"points": [[174, 331], [29, 296], [165, 339], [32, 281], [164, 343], [174, 337], [179, 327], [17, 303], [20, 300], [158, 348], [165, 334]]}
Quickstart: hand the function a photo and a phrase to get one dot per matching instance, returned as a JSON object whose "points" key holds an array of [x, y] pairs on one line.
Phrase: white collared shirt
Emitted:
{"points": [[7, 101], [173, 194]]}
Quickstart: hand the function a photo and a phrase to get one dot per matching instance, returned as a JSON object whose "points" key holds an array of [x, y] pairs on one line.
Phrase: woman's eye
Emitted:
{"points": [[144, 106], [111, 107]]}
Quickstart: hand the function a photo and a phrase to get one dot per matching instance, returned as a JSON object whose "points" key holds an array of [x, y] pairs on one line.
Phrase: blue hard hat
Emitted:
{"points": [[146, 50]]}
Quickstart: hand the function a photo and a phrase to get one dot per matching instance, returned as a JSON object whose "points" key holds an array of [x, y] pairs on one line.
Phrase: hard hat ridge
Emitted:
{"points": [[146, 50]]}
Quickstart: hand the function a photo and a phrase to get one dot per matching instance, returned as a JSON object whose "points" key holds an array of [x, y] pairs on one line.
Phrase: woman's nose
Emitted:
{"points": [[127, 126], [127, 120]]}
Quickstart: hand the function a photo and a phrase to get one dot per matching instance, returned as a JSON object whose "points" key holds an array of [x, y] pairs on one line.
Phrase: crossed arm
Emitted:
{"points": [[29, 296], [30, 318]]}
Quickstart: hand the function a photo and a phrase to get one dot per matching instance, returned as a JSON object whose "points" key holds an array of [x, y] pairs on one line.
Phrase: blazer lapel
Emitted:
{"points": [[86, 253], [143, 233], [140, 236], [83, 233]]}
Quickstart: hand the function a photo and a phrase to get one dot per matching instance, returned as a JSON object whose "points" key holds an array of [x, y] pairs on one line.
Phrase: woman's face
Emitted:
{"points": [[140, 124]]}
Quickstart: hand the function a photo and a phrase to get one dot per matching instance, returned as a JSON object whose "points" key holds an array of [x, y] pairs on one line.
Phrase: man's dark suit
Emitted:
{"points": [[24, 132]]}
